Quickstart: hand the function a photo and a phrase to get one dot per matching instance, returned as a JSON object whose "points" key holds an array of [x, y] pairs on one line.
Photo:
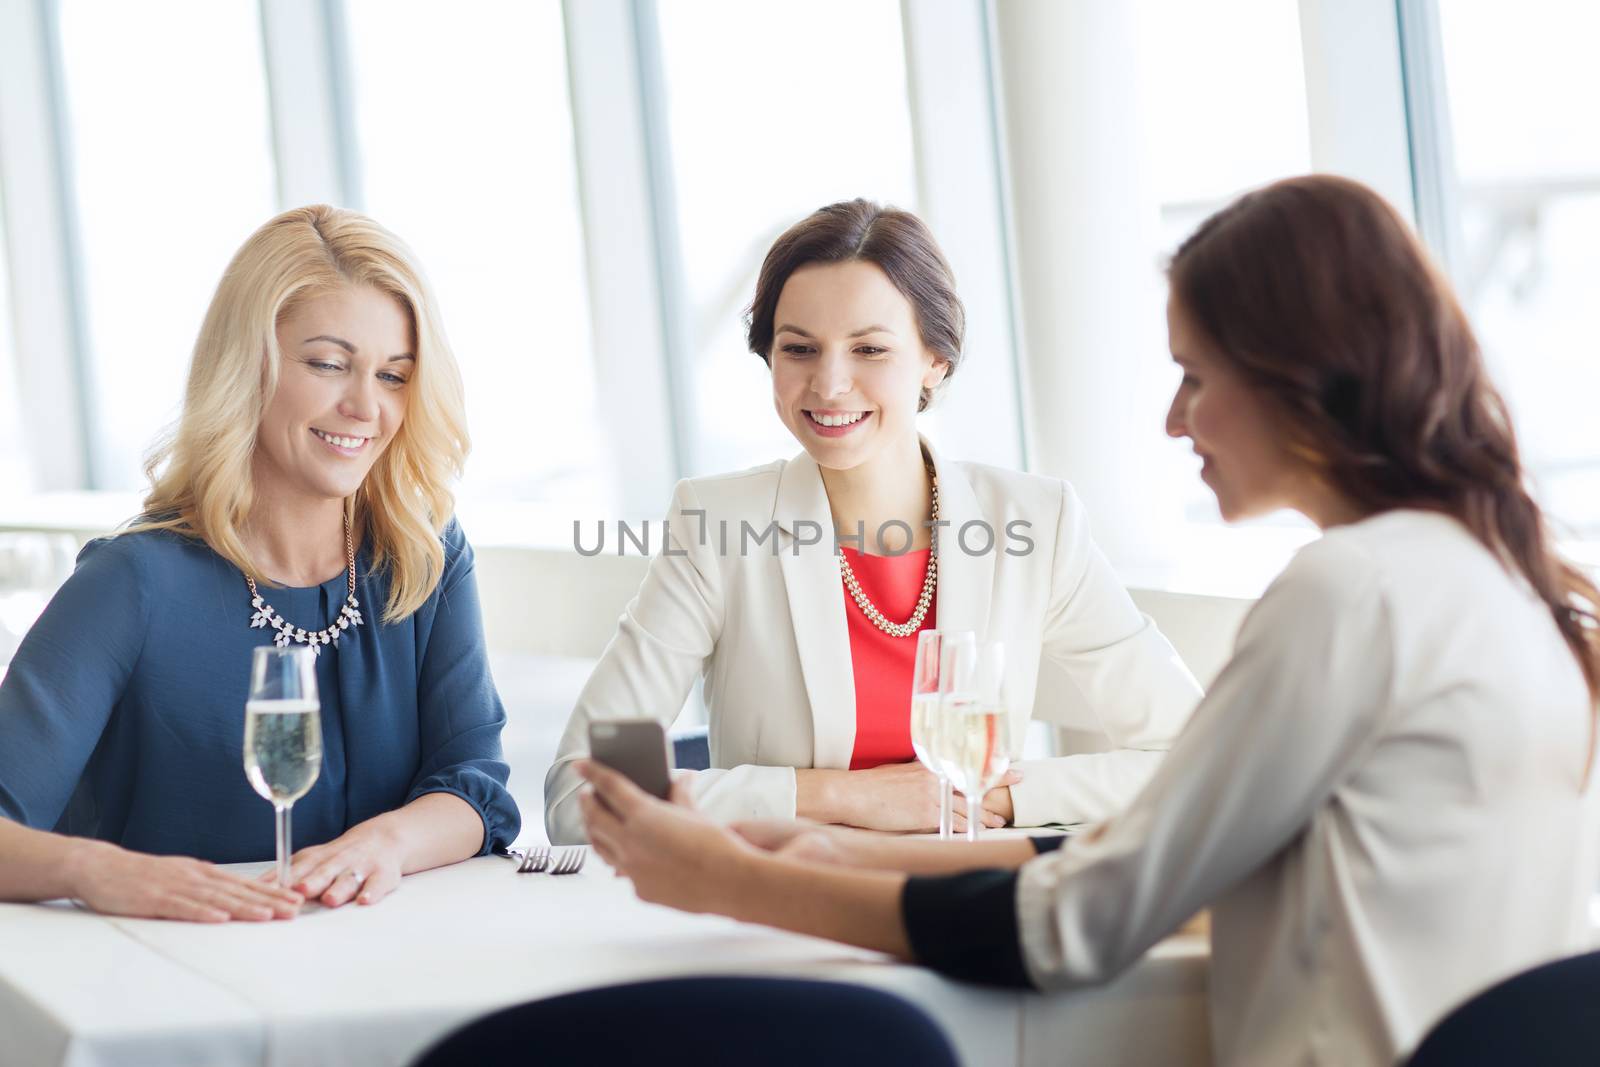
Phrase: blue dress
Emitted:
{"points": [[122, 714]]}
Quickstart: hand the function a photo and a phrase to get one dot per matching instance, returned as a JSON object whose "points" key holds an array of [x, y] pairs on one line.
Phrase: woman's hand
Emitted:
{"points": [[895, 796], [997, 801], [672, 853], [800, 839], [115, 881], [362, 864], [367, 861]]}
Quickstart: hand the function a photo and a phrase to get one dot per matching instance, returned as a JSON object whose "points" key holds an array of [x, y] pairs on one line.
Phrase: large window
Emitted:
{"points": [[1225, 94], [1523, 93], [774, 110], [1225, 91], [591, 185], [466, 144], [15, 477], [169, 138]]}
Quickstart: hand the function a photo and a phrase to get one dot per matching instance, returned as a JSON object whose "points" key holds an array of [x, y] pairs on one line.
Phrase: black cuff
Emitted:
{"points": [[1047, 842], [965, 925]]}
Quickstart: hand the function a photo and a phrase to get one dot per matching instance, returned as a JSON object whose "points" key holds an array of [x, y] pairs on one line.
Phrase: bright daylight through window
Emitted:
{"points": [[491, 207], [1528, 194], [754, 153], [15, 477], [1224, 93], [170, 179]]}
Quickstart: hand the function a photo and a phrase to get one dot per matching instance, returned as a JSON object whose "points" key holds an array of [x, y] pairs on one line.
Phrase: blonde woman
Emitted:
{"points": [[303, 498]]}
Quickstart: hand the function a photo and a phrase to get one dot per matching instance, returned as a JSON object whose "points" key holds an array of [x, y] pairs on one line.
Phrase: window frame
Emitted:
{"points": [[1377, 112], [47, 306]]}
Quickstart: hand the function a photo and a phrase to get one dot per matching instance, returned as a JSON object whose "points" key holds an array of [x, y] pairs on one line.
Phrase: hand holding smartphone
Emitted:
{"points": [[637, 749]]}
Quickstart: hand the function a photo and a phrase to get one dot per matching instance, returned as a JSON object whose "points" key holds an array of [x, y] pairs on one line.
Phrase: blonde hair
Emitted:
{"points": [[200, 472]]}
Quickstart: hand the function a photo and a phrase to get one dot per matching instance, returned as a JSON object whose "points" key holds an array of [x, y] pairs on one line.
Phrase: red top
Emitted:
{"points": [[883, 664]]}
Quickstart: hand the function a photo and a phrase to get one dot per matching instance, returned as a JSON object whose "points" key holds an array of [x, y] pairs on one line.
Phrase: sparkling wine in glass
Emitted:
{"points": [[926, 696], [975, 730], [283, 734]]}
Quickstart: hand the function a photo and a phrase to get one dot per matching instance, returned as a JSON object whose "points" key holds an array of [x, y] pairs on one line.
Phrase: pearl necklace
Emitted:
{"points": [[349, 613], [924, 601]]}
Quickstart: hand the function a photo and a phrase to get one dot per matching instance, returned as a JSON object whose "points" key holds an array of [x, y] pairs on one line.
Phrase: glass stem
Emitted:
{"points": [[946, 808], [283, 844], [974, 814]]}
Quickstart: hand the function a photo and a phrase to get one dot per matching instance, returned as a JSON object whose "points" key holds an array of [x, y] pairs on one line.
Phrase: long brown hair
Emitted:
{"points": [[897, 242], [1319, 295]]}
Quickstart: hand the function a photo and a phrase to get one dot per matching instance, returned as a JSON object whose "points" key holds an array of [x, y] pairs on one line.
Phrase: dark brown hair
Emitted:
{"points": [[1319, 295], [901, 246]]}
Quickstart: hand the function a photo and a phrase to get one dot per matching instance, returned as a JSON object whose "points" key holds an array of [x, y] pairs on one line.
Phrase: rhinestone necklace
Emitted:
{"points": [[924, 601], [349, 614]]}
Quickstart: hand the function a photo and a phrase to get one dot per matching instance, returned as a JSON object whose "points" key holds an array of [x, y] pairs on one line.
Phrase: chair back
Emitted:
{"points": [[1549, 1015], [691, 749], [734, 1022]]}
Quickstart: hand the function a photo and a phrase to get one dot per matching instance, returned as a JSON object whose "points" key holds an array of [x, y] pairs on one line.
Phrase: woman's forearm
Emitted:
{"points": [[925, 855], [817, 795], [434, 830], [859, 908], [36, 865], [891, 796]]}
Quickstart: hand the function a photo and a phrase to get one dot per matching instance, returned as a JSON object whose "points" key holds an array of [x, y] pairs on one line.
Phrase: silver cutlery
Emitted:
{"points": [[569, 861], [534, 860], [542, 858]]}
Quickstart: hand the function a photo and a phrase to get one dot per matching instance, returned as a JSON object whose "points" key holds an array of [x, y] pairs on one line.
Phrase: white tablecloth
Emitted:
{"points": [[363, 987]]}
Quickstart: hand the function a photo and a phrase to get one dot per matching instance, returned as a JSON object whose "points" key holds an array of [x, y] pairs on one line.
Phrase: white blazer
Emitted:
{"points": [[766, 629]]}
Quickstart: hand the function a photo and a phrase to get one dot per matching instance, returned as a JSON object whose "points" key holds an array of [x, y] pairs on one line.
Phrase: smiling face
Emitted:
{"points": [[347, 360], [848, 363], [1247, 461]]}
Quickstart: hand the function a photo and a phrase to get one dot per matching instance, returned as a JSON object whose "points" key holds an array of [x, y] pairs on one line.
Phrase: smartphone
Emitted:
{"points": [[636, 748]]}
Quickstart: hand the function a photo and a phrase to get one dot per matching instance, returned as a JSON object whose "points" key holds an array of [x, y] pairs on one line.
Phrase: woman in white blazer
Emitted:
{"points": [[856, 314], [1387, 798]]}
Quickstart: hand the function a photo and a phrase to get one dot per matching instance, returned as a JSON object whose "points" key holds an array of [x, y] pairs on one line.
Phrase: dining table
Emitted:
{"points": [[364, 986]]}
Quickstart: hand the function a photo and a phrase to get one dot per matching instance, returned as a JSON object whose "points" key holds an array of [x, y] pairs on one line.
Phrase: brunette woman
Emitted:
{"points": [[807, 651], [1386, 799]]}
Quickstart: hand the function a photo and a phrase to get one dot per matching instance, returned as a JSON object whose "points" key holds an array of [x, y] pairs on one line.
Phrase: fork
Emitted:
{"points": [[534, 860], [569, 861]]}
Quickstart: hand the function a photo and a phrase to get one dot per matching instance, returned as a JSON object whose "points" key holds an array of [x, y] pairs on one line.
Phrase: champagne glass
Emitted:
{"points": [[925, 715], [283, 733], [975, 725]]}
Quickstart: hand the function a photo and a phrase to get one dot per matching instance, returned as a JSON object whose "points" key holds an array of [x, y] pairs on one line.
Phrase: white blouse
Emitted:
{"points": [[1382, 799]]}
